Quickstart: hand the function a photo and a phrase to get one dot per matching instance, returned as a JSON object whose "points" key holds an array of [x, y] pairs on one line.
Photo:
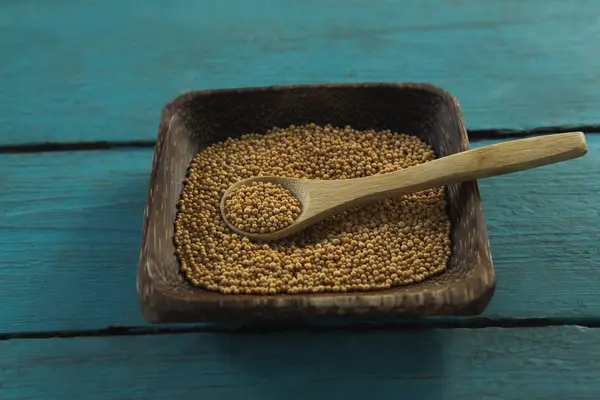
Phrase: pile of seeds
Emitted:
{"points": [[261, 207], [380, 245]]}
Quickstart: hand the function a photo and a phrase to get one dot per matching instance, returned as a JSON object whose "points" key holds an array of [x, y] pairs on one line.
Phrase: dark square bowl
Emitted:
{"points": [[197, 119]]}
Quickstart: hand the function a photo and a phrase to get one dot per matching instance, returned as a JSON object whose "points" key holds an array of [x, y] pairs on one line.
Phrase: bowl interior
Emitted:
{"points": [[198, 119]]}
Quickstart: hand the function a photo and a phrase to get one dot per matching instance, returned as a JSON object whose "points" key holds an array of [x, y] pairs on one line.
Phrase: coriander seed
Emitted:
{"points": [[388, 243], [261, 207]]}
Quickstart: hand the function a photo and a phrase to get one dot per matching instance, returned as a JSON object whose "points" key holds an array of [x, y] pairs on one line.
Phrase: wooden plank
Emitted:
{"points": [[102, 70], [494, 363], [71, 223], [96, 246]]}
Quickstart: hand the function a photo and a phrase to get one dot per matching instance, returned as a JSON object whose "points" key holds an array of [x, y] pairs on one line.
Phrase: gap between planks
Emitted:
{"points": [[311, 327], [474, 135]]}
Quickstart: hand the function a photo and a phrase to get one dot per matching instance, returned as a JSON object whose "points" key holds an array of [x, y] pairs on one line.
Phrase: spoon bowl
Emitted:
{"points": [[320, 199], [307, 191]]}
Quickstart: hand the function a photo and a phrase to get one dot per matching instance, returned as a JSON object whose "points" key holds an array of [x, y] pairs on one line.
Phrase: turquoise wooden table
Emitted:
{"points": [[81, 89]]}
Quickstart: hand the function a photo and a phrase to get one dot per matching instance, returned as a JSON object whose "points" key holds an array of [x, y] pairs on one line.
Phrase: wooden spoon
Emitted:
{"points": [[323, 198]]}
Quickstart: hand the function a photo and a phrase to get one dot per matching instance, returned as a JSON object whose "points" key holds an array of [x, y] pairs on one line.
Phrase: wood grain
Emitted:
{"points": [[546, 363], [102, 70], [70, 230]]}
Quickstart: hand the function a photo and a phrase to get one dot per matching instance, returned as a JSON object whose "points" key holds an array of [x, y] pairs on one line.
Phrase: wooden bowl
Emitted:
{"points": [[197, 119]]}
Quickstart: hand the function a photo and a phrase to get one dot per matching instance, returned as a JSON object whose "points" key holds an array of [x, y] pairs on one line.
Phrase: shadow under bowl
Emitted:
{"points": [[197, 119]]}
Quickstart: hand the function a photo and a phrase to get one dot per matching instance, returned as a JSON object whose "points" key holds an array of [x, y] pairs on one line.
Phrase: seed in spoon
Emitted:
{"points": [[261, 207]]}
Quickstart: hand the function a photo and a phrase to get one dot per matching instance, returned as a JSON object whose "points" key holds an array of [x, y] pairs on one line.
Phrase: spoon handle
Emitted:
{"points": [[483, 162]]}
